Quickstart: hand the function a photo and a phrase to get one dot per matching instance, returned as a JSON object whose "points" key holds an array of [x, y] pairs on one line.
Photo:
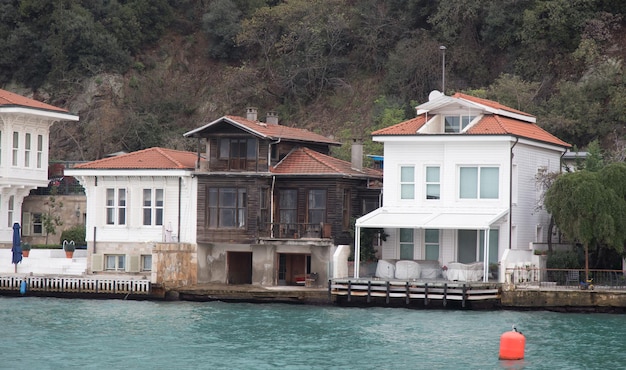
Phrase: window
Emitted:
{"points": [[432, 183], [345, 209], [39, 150], [288, 211], [153, 207], [264, 205], [431, 244], [10, 211], [146, 262], [37, 224], [16, 145], [27, 150], [226, 207], [237, 151], [115, 262], [317, 206], [406, 244], [479, 183], [456, 124], [370, 204], [116, 206], [407, 182]]}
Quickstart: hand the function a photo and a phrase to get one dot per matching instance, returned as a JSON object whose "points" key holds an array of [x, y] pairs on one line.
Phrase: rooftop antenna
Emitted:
{"points": [[443, 68]]}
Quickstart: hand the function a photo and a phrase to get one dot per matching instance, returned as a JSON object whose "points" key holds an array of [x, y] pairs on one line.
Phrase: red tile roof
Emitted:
{"points": [[490, 124], [498, 125], [269, 131], [151, 158], [489, 103], [305, 161], [9, 99]]}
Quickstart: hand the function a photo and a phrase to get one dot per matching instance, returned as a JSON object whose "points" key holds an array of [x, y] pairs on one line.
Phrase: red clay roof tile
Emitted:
{"points": [[490, 124], [270, 131], [307, 161], [9, 99], [151, 158]]}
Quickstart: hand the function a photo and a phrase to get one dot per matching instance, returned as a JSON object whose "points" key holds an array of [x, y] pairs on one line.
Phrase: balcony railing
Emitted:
{"points": [[567, 278], [296, 231]]}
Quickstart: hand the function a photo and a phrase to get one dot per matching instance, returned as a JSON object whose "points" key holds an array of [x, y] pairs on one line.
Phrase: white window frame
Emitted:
{"points": [[409, 245], [16, 147], [432, 183], [406, 182], [431, 243], [27, 145], [462, 121], [10, 210], [116, 206], [152, 203], [146, 262], [478, 188], [39, 151], [115, 262]]}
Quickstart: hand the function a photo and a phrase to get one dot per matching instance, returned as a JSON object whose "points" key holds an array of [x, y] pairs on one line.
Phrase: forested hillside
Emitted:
{"points": [[140, 73]]}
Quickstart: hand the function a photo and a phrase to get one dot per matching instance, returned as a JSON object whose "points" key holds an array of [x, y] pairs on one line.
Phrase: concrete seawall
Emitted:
{"points": [[565, 300]]}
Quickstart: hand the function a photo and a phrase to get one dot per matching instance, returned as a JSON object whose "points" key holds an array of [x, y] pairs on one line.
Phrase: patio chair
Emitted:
{"points": [[572, 276]]}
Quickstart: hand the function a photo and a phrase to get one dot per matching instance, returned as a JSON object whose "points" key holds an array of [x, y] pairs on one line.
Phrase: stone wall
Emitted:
{"points": [[563, 299], [72, 213], [175, 264]]}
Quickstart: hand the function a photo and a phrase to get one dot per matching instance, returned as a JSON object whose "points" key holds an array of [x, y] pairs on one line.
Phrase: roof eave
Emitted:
{"points": [[47, 113]]}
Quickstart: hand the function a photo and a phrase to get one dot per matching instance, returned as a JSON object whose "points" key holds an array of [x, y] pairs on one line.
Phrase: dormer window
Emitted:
{"points": [[456, 124]]}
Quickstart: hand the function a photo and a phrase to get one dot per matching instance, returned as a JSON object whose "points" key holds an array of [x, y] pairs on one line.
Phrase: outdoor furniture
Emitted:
{"points": [[386, 269], [458, 271], [407, 270]]}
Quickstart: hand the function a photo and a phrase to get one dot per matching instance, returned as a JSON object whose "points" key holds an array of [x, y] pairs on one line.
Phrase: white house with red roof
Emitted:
{"points": [[134, 202], [462, 169], [24, 141]]}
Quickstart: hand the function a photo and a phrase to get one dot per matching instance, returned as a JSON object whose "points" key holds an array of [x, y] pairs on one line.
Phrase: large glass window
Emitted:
{"points": [[37, 223], [153, 207], [146, 262], [407, 182], [227, 207], [11, 208], [432, 183], [479, 183], [456, 124], [406, 244], [431, 244], [116, 206]]}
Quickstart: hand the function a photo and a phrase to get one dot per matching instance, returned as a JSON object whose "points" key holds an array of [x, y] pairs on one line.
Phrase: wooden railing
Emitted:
{"points": [[296, 230]]}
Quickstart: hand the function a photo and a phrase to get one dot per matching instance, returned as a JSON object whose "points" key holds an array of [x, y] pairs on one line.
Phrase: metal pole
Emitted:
{"points": [[443, 69]]}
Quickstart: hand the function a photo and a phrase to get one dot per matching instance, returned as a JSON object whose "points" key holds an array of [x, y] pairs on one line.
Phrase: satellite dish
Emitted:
{"points": [[434, 95]]}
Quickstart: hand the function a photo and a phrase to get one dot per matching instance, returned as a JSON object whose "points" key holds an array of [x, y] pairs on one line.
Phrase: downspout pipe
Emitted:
{"points": [[511, 191], [180, 202]]}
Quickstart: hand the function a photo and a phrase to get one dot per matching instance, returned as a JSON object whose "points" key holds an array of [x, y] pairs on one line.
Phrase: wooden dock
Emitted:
{"points": [[414, 293]]}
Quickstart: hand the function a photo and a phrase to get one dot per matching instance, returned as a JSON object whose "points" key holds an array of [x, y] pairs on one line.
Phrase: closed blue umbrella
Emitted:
{"points": [[17, 245]]}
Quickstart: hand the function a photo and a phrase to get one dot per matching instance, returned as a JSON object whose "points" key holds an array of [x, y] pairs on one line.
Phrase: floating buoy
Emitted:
{"points": [[512, 345], [23, 287]]}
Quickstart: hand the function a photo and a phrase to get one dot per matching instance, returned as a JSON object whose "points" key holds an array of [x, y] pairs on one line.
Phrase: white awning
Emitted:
{"points": [[432, 218]]}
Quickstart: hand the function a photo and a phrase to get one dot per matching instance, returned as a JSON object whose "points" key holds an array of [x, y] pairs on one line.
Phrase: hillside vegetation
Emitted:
{"points": [[140, 73]]}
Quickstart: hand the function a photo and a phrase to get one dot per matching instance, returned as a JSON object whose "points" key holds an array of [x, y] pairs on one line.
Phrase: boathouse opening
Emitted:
{"points": [[239, 267], [293, 268]]}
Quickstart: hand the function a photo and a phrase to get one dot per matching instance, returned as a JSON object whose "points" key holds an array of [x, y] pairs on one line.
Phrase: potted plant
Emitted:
{"points": [[69, 248], [25, 249]]}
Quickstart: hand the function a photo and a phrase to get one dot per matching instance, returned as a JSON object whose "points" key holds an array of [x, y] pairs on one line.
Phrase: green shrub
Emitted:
{"points": [[75, 233], [564, 260]]}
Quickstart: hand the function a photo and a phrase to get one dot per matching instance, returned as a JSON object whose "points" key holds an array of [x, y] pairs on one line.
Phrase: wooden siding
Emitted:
{"points": [[252, 230]]}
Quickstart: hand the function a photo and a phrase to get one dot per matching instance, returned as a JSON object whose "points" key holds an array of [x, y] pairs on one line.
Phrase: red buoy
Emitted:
{"points": [[512, 345]]}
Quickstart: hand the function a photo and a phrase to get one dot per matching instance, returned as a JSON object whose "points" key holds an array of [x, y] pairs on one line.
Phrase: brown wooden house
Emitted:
{"points": [[272, 204]]}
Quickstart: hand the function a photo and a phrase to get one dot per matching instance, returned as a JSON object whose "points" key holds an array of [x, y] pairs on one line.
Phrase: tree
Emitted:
{"points": [[51, 219], [589, 207]]}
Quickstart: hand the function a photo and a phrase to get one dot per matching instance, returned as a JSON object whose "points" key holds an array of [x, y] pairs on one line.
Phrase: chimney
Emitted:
{"points": [[357, 154], [271, 118], [251, 113]]}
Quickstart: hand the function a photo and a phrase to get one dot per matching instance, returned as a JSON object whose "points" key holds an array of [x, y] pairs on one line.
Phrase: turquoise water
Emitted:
{"points": [[49, 333]]}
